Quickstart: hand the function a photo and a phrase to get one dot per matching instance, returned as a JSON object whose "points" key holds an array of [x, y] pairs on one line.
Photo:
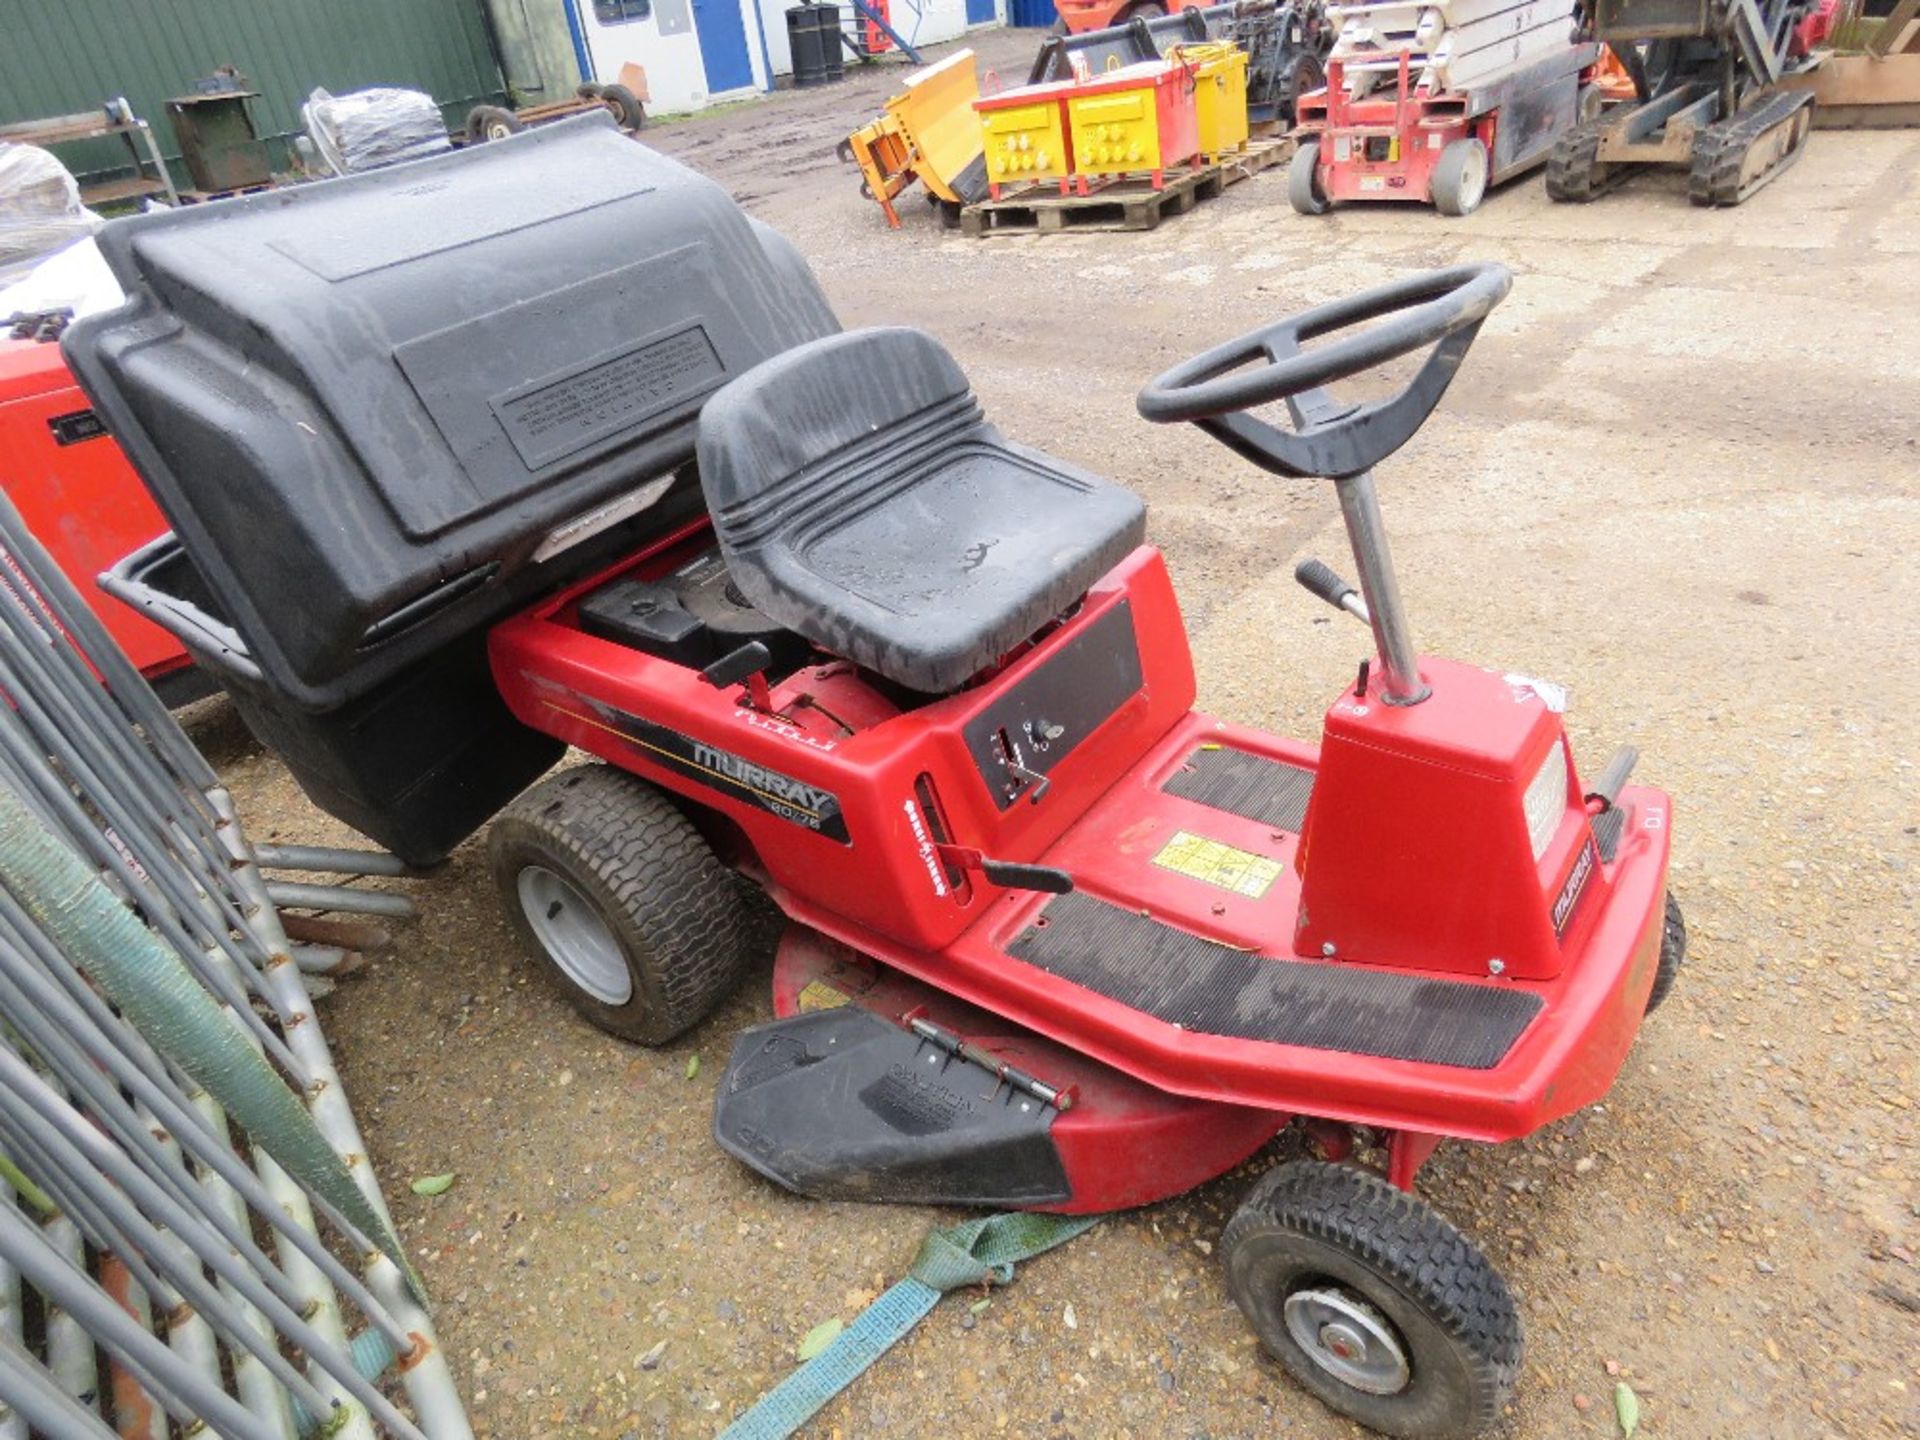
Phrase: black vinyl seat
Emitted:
{"points": [[862, 499]]}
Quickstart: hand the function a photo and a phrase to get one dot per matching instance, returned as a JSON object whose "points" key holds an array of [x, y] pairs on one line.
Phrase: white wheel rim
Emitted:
{"points": [[574, 936], [1348, 1338], [1473, 176]]}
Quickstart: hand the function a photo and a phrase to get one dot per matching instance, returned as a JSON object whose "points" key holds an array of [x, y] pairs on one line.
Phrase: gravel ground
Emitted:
{"points": [[1678, 473]]}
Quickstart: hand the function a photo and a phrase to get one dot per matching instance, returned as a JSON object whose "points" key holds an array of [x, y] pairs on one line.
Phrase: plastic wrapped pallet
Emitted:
{"points": [[371, 128], [40, 208]]}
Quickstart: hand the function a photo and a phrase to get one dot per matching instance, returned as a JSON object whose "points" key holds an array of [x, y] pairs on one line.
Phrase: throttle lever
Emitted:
{"points": [[1320, 580]]}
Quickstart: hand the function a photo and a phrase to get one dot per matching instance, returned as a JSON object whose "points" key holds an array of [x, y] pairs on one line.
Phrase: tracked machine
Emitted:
{"points": [[1707, 95]]}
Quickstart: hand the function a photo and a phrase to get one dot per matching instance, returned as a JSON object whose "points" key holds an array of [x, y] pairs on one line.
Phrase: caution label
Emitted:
{"points": [[1214, 863]]}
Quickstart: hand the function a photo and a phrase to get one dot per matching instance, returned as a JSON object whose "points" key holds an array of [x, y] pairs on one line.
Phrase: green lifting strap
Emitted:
{"points": [[976, 1252]]}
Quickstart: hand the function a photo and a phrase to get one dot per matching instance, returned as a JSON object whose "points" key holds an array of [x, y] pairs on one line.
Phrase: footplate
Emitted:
{"points": [[841, 1104]]}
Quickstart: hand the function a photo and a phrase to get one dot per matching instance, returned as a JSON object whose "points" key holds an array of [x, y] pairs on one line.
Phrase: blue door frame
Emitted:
{"points": [[723, 45]]}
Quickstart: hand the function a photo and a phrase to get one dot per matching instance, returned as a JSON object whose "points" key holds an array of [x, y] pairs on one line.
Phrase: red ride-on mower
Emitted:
{"points": [[1057, 940], [544, 442]]}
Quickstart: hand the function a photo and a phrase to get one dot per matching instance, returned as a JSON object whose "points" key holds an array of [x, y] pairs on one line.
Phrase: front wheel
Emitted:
{"points": [[627, 908], [1459, 181], [1303, 181], [1373, 1302], [1673, 954]]}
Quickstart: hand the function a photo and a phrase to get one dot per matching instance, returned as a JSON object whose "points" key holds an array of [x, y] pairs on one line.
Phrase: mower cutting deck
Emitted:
{"points": [[1055, 939]]}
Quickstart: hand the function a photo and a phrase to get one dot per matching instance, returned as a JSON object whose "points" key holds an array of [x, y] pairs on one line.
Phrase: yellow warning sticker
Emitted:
{"points": [[1214, 863], [821, 996]]}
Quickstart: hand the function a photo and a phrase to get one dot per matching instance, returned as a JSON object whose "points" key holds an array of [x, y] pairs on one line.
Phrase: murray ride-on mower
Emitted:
{"points": [[565, 429]]}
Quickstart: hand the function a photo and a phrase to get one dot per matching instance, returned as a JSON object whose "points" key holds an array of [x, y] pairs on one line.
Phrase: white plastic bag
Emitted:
{"points": [[371, 128], [40, 207]]}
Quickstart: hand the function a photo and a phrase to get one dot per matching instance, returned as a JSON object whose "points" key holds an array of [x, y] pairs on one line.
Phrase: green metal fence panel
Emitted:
{"points": [[60, 57]]}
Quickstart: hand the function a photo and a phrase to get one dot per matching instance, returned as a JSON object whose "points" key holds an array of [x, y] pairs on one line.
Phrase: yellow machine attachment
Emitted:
{"points": [[1220, 95], [927, 132]]}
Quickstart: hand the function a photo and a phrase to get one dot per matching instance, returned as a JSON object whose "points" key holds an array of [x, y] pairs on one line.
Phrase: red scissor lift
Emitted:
{"points": [[1439, 147]]}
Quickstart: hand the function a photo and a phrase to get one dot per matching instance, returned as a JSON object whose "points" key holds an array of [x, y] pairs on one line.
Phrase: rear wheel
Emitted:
{"points": [[1303, 181], [492, 122], [625, 105], [1144, 10], [1459, 181], [1673, 954], [624, 904], [1373, 1302]]}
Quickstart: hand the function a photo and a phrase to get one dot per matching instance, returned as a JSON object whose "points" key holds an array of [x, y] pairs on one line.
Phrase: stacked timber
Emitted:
{"points": [[1450, 44]]}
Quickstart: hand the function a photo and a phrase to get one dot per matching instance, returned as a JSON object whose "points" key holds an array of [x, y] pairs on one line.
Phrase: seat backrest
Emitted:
{"points": [[862, 500], [771, 440]]}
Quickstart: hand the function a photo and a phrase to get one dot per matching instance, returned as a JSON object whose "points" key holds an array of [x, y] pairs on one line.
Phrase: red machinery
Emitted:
{"points": [[79, 496], [1055, 939], [1076, 16], [1445, 148], [1058, 940]]}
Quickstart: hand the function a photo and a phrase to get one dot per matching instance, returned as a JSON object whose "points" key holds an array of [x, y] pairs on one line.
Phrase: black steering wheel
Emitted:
{"points": [[1441, 308]]}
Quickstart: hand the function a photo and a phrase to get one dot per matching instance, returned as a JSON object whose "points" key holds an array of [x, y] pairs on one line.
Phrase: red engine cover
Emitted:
{"points": [[1416, 849]]}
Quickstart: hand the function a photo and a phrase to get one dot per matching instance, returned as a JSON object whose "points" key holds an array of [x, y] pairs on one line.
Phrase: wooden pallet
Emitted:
{"points": [[201, 197], [1123, 204]]}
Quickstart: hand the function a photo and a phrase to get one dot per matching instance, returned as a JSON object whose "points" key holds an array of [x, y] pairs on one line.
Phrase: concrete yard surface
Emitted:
{"points": [[1679, 473]]}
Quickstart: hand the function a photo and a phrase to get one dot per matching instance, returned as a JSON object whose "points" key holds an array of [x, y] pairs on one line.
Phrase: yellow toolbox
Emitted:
{"points": [[1023, 133], [1135, 120], [1219, 95]]}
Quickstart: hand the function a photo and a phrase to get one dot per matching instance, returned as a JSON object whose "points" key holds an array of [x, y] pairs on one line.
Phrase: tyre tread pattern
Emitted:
{"points": [[675, 896], [1673, 954], [1403, 1238], [1574, 172]]}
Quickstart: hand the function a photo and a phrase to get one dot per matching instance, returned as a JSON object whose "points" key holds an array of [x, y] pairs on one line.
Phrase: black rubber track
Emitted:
{"points": [[1574, 171], [676, 910], [1306, 1221], [1673, 954]]}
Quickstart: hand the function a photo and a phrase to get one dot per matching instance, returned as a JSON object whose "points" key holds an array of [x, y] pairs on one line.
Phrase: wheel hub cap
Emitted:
{"points": [[1349, 1339], [571, 931]]}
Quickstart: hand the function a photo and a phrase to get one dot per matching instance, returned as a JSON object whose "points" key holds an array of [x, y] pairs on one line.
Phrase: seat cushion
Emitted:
{"points": [[862, 500]]}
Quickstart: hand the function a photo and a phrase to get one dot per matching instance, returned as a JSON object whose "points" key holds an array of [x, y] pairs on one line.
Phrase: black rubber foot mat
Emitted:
{"points": [[1214, 989], [1250, 786]]}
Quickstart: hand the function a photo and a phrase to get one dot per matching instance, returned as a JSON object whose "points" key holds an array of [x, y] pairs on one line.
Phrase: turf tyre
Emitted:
{"points": [[1673, 954], [674, 912], [1309, 1224]]}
